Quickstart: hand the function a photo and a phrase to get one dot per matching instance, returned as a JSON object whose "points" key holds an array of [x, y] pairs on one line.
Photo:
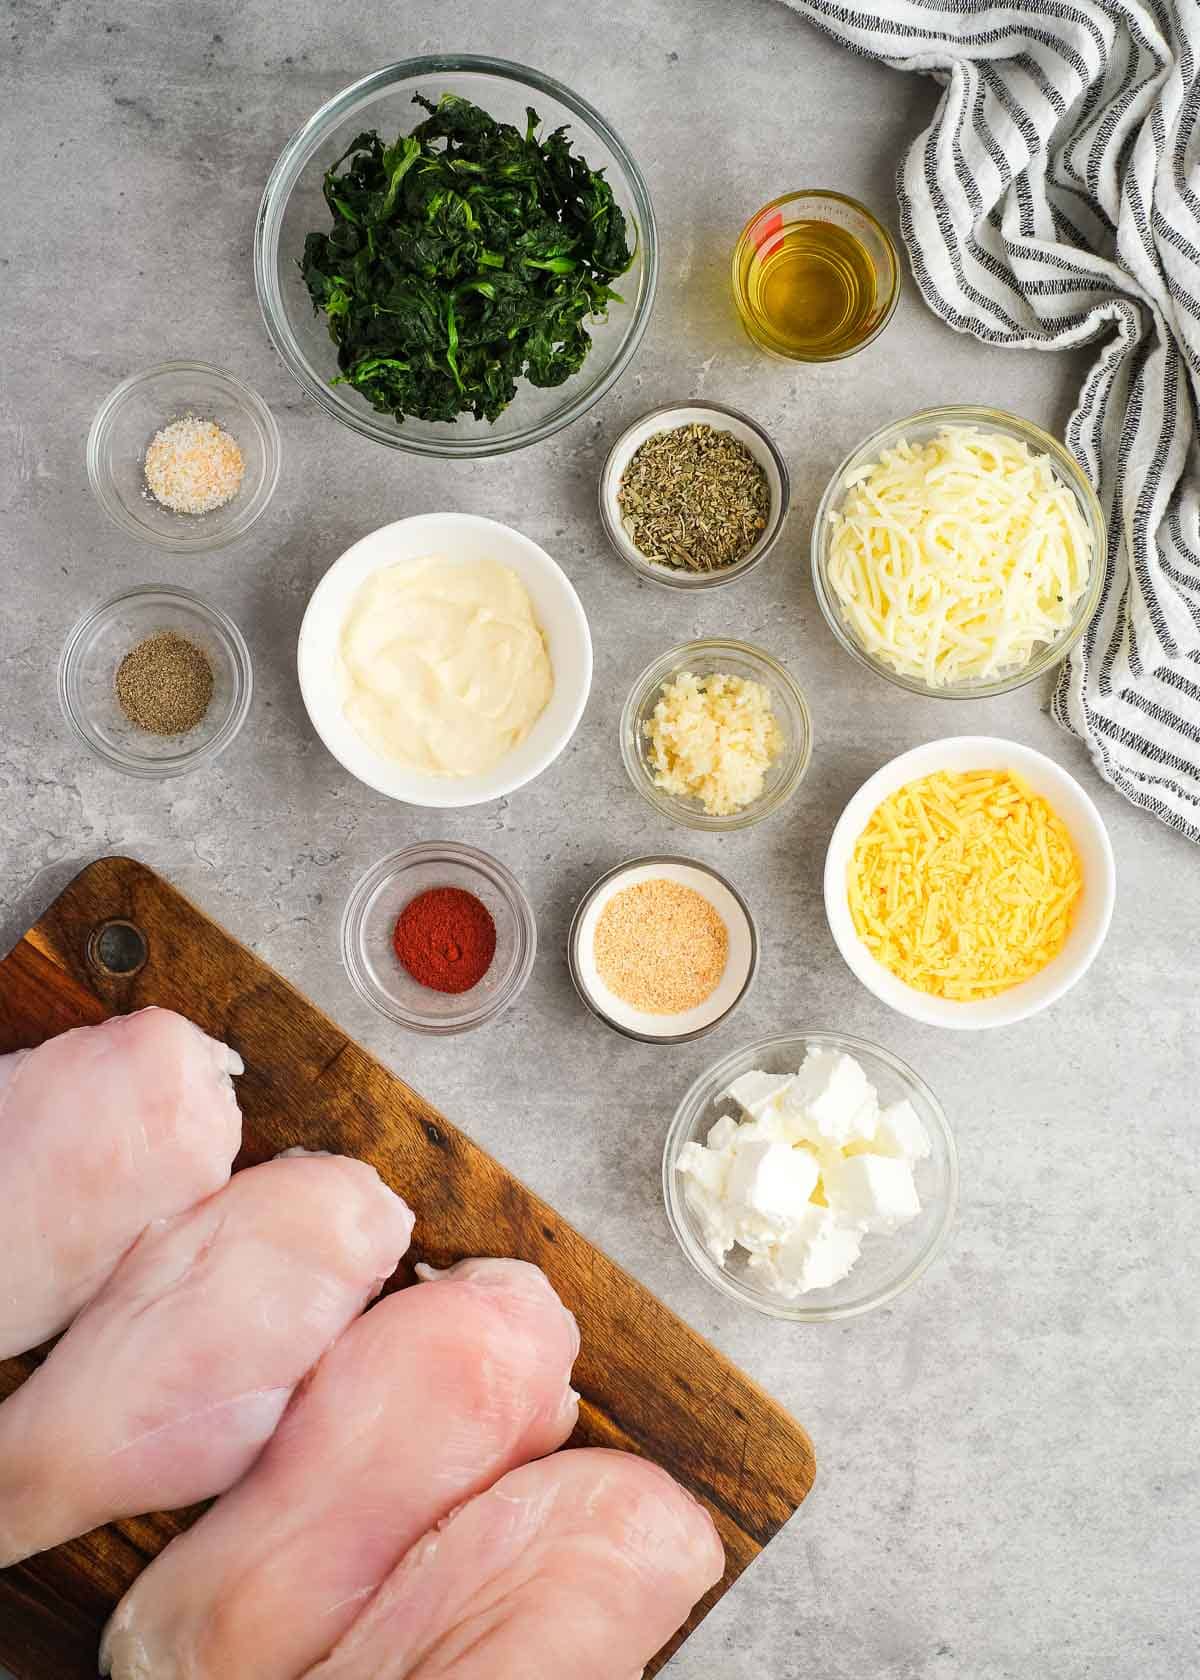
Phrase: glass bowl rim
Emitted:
{"points": [[1072, 475], [218, 534], [176, 764], [576, 928], [669, 805], [794, 1312], [682, 579], [475, 861], [297, 153], [889, 243]]}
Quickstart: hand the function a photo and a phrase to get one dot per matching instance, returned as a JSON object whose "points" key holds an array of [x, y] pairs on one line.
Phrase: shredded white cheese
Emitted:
{"points": [[953, 560]]}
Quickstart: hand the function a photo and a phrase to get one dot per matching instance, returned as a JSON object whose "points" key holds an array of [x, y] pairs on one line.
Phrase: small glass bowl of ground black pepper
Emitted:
{"points": [[156, 681], [440, 937], [694, 495], [184, 455]]}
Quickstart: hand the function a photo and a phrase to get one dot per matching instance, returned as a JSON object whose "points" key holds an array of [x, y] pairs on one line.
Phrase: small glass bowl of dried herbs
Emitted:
{"points": [[156, 681], [694, 495]]}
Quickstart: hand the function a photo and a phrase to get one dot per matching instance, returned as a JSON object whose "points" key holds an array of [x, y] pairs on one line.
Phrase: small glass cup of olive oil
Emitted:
{"points": [[815, 277]]}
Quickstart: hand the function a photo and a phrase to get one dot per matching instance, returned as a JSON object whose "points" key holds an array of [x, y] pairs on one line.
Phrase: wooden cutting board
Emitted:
{"points": [[648, 1383]]}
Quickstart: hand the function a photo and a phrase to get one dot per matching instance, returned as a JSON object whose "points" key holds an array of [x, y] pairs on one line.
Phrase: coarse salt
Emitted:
{"points": [[194, 466]]}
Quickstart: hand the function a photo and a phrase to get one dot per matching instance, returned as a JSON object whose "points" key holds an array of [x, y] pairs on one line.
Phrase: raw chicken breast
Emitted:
{"points": [[584, 1564], [166, 1388], [102, 1130], [422, 1403]]}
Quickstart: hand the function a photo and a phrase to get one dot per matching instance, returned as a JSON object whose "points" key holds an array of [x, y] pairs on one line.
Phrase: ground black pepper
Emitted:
{"points": [[164, 684]]}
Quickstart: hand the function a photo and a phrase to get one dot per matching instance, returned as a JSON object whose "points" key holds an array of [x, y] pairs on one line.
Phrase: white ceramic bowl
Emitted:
{"points": [[453, 536], [740, 969], [1093, 911]]}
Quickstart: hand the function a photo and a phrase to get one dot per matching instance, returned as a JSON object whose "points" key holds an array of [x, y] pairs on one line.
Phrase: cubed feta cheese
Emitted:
{"points": [[900, 1132], [707, 1167], [757, 1091], [818, 1252], [723, 1133], [772, 1181], [830, 1098], [712, 1219], [872, 1192], [809, 1169]]}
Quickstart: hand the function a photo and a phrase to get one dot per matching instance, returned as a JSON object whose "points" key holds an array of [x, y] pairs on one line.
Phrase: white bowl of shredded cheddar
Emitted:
{"points": [[970, 882], [958, 553]]}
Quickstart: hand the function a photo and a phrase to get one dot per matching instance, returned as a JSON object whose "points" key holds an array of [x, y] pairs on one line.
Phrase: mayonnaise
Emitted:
{"points": [[443, 665]]}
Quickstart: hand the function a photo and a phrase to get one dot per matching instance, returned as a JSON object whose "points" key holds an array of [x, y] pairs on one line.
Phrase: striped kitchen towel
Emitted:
{"points": [[1054, 201]]}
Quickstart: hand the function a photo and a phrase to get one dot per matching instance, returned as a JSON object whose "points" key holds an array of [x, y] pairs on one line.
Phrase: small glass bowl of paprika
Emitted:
{"points": [[439, 938]]}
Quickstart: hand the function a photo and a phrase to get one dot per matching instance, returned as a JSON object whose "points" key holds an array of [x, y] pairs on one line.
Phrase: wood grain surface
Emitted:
{"points": [[648, 1383]]}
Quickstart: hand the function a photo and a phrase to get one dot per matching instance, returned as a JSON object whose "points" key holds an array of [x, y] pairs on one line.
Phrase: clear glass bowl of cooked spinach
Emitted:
{"points": [[445, 311]]}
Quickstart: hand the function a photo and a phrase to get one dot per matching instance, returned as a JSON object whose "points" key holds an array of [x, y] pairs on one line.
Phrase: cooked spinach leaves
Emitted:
{"points": [[465, 256]]}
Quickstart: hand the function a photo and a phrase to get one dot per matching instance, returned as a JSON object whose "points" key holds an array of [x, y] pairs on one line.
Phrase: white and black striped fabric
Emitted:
{"points": [[1054, 201]]}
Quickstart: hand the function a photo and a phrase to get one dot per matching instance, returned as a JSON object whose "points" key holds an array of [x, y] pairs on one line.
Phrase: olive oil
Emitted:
{"points": [[814, 276]]}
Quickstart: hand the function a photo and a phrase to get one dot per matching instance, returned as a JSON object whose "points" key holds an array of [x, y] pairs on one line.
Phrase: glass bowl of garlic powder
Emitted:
{"points": [[716, 734], [811, 1176]]}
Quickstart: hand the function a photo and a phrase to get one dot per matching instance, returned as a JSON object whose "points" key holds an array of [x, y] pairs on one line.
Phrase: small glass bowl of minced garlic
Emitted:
{"points": [[184, 455], [716, 734], [155, 681]]}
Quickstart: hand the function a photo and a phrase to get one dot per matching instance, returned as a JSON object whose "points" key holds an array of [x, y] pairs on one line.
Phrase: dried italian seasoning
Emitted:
{"points": [[694, 498]]}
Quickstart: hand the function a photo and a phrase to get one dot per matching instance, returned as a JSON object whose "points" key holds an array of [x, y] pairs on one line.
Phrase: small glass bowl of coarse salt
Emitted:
{"points": [[183, 455]]}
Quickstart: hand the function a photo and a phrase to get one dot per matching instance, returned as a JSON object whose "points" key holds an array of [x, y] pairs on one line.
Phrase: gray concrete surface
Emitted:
{"points": [[1008, 1466]]}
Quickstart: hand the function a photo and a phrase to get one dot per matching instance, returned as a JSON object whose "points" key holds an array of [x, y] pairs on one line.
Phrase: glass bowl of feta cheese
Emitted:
{"points": [[811, 1176]]}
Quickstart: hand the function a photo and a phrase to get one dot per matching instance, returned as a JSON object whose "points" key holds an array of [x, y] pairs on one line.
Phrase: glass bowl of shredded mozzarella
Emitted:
{"points": [[811, 1176], [959, 553]]}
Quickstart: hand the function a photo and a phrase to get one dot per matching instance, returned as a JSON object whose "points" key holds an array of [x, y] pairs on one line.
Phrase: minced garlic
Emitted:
{"points": [[964, 884], [194, 466], [713, 739]]}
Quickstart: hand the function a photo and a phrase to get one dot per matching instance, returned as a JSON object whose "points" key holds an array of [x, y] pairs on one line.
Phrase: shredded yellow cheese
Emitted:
{"points": [[963, 885], [953, 560]]}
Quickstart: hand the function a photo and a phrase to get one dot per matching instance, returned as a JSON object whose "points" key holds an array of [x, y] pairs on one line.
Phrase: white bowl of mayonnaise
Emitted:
{"points": [[445, 660]]}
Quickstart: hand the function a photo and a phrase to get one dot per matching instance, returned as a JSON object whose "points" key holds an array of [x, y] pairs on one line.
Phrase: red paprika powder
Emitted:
{"points": [[446, 939]]}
